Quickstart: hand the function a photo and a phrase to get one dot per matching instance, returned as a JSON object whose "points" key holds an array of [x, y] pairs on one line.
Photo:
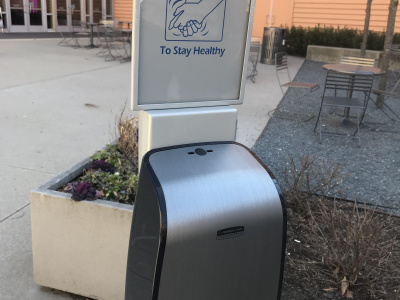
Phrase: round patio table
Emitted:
{"points": [[353, 69], [92, 45]]}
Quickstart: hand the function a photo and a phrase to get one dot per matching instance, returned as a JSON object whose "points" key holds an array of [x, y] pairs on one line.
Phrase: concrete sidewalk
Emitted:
{"points": [[58, 106]]}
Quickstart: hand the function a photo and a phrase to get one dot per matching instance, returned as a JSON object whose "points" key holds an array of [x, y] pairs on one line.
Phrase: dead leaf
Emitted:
{"points": [[344, 285], [330, 289], [349, 294], [336, 270]]}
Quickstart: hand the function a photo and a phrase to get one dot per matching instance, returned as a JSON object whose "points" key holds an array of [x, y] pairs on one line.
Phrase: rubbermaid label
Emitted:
{"points": [[230, 232]]}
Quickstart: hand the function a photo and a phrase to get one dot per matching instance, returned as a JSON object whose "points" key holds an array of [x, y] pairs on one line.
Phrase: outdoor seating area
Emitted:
{"points": [[111, 38], [372, 170], [89, 112], [343, 91]]}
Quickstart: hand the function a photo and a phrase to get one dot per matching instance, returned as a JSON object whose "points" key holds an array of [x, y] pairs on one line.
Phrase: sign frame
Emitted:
{"points": [[136, 106]]}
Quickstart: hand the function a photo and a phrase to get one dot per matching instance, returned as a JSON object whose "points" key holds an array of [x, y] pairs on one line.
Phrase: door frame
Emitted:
{"points": [[69, 12], [27, 27], [104, 15]]}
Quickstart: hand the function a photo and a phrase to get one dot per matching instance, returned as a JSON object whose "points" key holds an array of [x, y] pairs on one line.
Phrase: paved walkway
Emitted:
{"points": [[58, 106], [29, 35]]}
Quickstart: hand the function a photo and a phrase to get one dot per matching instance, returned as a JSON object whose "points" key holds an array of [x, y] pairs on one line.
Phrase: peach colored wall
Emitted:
{"points": [[281, 15], [123, 10], [336, 13], [340, 13], [259, 21], [306, 13]]}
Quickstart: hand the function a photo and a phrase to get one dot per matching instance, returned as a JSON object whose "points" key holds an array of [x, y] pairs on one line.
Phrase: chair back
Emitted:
{"points": [[395, 56], [103, 24], [357, 60], [117, 23], [79, 26], [281, 69], [340, 84], [255, 51], [107, 23]]}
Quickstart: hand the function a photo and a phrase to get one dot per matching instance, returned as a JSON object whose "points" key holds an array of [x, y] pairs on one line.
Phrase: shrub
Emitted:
{"points": [[335, 243], [298, 38], [127, 135], [305, 178]]}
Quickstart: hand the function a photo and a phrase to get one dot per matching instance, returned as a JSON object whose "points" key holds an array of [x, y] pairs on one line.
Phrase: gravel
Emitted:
{"points": [[372, 167]]}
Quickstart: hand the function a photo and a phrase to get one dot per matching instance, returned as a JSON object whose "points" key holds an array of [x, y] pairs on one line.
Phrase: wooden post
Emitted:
{"points": [[384, 63], [366, 27]]}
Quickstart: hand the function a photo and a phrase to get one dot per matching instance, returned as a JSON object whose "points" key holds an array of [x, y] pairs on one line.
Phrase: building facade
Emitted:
{"points": [[52, 15], [311, 13]]}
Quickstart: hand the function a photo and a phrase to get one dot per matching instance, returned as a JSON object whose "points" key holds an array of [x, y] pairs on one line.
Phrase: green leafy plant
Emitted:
{"points": [[298, 38], [119, 185], [115, 187], [112, 175], [110, 155]]}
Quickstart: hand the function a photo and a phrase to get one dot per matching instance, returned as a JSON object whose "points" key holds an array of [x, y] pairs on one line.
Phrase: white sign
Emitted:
{"points": [[190, 53]]}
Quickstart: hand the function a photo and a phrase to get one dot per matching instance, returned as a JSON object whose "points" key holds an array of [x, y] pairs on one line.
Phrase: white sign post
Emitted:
{"points": [[189, 54]]}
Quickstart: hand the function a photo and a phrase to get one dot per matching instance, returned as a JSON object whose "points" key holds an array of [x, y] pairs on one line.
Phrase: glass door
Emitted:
{"points": [[99, 10], [35, 18], [62, 12], [17, 14], [67, 11], [27, 16]]}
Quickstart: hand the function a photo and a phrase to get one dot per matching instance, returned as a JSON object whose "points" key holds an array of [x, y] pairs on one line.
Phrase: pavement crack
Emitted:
{"points": [[9, 216], [16, 167], [56, 78]]}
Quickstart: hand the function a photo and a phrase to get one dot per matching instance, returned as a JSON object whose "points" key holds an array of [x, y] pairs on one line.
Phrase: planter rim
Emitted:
{"points": [[51, 186]]}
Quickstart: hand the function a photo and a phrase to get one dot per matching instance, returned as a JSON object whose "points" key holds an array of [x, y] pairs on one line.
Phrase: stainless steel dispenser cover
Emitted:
{"points": [[209, 223]]}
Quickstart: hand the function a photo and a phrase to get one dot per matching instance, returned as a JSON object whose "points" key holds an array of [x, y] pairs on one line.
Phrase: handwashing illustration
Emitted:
{"points": [[195, 20]]}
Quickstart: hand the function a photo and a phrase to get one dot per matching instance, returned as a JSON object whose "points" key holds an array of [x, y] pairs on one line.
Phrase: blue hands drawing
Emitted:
{"points": [[194, 20]]}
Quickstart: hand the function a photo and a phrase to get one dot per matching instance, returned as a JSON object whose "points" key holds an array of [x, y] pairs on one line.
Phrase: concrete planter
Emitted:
{"points": [[79, 247], [332, 55]]}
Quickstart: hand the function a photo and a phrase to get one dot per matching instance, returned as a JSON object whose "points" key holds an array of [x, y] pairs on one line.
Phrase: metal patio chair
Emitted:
{"points": [[386, 94], [394, 65], [79, 30], [253, 60], [66, 37], [282, 73], [116, 44], [344, 90], [285, 82], [100, 30], [357, 60]]}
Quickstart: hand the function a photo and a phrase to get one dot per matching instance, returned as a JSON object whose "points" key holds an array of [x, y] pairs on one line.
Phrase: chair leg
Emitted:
{"points": [[320, 132], [319, 115], [125, 58], [388, 107], [253, 72], [66, 39], [76, 45]]}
